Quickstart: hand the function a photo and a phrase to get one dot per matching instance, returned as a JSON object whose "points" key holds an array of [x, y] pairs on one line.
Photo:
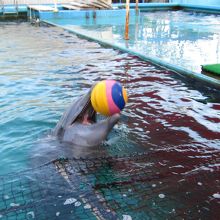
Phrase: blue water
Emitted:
{"points": [[185, 39], [42, 71], [176, 122]]}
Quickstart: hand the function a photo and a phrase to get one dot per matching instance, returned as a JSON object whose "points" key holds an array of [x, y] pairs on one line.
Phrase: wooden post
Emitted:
{"points": [[127, 20], [136, 7]]}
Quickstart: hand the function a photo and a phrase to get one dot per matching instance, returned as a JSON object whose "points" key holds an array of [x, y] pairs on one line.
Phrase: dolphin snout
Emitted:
{"points": [[113, 120]]}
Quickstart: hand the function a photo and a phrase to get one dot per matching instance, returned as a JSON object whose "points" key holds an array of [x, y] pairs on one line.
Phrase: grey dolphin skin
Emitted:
{"points": [[79, 125]]}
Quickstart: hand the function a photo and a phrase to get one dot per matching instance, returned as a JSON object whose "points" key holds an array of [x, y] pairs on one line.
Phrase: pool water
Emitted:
{"points": [[184, 39], [44, 68]]}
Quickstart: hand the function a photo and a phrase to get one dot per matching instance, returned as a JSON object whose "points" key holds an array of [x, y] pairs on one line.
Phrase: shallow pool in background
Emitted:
{"points": [[177, 123], [185, 39]]}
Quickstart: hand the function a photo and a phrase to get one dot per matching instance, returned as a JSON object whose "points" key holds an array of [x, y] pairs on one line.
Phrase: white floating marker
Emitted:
{"points": [[14, 204], [6, 197], [162, 196], [57, 213], [30, 215], [77, 204], [87, 206], [70, 201], [126, 217], [216, 195]]}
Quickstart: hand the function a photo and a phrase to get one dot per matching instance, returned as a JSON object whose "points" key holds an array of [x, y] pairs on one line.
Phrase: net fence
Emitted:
{"points": [[131, 187]]}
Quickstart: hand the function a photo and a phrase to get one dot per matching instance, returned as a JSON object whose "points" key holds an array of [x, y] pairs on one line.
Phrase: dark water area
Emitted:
{"points": [[174, 123]]}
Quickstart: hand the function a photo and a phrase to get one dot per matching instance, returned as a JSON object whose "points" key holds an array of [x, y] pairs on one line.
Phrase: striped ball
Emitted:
{"points": [[108, 97]]}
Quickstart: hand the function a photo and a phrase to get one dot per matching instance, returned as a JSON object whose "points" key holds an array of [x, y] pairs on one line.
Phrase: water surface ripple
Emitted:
{"points": [[43, 69]]}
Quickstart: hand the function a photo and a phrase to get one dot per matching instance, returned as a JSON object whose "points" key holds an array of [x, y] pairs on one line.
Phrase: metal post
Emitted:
{"points": [[16, 6], [1, 4], [127, 19], [136, 7]]}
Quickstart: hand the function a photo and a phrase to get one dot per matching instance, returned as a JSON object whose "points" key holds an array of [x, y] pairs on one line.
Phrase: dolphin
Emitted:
{"points": [[79, 125], [78, 134]]}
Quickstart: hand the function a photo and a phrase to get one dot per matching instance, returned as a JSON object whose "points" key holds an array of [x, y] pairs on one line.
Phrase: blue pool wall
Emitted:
{"points": [[86, 14], [197, 2], [88, 17]]}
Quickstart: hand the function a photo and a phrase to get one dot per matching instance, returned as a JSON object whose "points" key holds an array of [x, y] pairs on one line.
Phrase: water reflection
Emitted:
{"points": [[185, 39]]}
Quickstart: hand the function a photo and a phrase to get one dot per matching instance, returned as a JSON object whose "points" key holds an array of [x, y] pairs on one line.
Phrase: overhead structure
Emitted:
{"points": [[88, 4]]}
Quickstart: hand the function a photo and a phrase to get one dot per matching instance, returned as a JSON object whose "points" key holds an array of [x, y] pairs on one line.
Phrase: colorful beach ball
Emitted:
{"points": [[108, 97]]}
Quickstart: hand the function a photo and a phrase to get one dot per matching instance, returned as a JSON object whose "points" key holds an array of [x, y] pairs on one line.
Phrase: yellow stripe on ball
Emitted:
{"points": [[99, 98], [124, 95]]}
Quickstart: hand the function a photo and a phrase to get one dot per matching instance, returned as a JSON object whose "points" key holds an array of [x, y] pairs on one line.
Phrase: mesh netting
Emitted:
{"points": [[108, 188]]}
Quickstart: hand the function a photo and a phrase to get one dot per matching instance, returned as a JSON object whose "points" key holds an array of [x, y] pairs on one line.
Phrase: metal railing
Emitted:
{"points": [[10, 3], [16, 6], [2, 6]]}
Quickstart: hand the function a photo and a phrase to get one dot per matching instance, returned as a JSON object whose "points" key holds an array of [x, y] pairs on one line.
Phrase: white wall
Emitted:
{"points": [[198, 2]]}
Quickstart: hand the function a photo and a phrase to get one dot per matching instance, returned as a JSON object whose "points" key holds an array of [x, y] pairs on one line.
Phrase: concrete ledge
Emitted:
{"points": [[174, 6]]}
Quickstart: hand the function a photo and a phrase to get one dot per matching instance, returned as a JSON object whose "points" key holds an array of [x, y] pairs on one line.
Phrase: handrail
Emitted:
{"points": [[16, 5], [13, 3], [2, 5]]}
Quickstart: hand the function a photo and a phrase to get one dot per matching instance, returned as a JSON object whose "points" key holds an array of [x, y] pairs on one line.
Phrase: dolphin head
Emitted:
{"points": [[79, 124]]}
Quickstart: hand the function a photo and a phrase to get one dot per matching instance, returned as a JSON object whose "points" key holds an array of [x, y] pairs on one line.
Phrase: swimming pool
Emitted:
{"points": [[182, 39], [175, 122]]}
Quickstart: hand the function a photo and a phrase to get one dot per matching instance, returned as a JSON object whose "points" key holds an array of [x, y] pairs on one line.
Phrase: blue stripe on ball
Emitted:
{"points": [[117, 96]]}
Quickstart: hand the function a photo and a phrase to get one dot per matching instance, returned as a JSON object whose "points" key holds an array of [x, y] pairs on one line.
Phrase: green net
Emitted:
{"points": [[131, 187]]}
